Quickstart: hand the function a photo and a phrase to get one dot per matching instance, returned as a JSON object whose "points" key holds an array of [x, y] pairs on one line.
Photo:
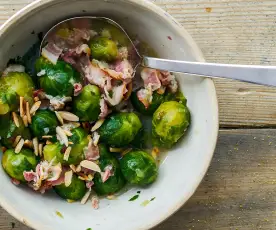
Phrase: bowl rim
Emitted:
{"points": [[209, 82]]}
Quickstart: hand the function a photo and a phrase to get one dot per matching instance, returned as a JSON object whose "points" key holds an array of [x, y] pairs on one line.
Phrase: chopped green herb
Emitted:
{"points": [[89, 229], [59, 214], [138, 192], [134, 198], [152, 199]]}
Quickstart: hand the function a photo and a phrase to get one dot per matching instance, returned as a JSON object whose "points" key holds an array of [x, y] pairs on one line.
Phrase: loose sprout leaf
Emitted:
{"points": [[134, 198]]}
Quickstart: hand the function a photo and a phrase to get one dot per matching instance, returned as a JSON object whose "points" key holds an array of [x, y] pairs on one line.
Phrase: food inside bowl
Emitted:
{"points": [[78, 125]]}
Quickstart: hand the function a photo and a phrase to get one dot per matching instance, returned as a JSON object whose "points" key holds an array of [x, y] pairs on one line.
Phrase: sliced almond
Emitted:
{"points": [[116, 150], [35, 107], [15, 119], [70, 142], [60, 119], [62, 135], [155, 152], [19, 146], [28, 113], [21, 109], [86, 197], [28, 143], [95, 138], [68, 116], [68, 178], [78, 168], [40, 149], [36, 99], [126, 151], [68, 133], [97, 125], [67, 153], [90, 177], [75, 124], [47, 137], [90, 165], [35, 144], [25, 120], [73, 167], [48, 142], [17, 139], [82, 178]]}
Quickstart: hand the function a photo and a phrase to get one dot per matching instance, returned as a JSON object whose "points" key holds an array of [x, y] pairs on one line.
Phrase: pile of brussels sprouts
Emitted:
{"points": [[60, 141]]}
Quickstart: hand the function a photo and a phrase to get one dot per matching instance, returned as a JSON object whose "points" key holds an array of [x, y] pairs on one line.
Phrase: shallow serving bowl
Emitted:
{"points": [[184, 167]]}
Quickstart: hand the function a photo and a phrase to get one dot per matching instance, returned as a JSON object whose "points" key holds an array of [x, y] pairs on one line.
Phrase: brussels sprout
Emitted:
{"points": [[16, 163], [170, 122], [87, 105], [12, 86], [178, 96], [115, 182], [157, 100], [139, 168], [103, 49], [75, 191], [80, 140], [9, 131], [56, 80], [44, 122], [120, 129]]}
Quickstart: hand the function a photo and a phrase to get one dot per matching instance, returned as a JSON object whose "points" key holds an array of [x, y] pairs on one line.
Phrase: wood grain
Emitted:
{"points": [[237, 193]]}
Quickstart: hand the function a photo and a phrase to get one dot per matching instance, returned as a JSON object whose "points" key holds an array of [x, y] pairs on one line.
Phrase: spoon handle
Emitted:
{"points": [[263, 75]]}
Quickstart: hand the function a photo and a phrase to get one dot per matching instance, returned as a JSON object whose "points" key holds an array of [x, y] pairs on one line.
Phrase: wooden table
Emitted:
{"points": [[239, 190]]}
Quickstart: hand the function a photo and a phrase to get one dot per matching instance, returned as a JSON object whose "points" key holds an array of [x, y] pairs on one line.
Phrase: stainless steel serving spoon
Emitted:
{"points": [[264, 75]]}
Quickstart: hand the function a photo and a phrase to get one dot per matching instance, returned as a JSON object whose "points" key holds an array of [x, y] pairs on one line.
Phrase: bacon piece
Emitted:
{"points": [[125, 68], [77, 89], [15, 182], [116, 95], [151, 78], [29, 176], [95, 202], [91, 152], [145, 96], [167, 79], [107, 173], [89, 184], [104, 109], [51, 52], [14, 68]]}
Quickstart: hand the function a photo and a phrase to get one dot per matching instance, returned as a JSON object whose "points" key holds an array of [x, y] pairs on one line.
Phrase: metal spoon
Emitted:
{"points": [[264, 75]]}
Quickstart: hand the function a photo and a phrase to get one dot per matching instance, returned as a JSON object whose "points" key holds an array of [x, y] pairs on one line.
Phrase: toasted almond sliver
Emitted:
{"points": [[97, 125], [70, 142], [68, 178], [35, 144], [36, 99], [15, 119], [86, 197], [25, 120], [47, 137], [78, 168], [90, 177], [73, 167], [28, 143], [155, 152], [60, 119], [126, 151], [96, 138], [67, 153], [40, 149], [28, 113], [68, 116], [90, 165], [21, 109], [35, 107], [62, 135], [19, 146], [116, 150], [48, 142], [75, 124], [17, 139], [68, 133], [81, 178]]}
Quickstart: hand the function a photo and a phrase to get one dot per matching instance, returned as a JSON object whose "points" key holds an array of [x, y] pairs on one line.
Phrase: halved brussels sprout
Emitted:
{"points": [[12, 86], [9, 131], [80, 140], [87, 105], [157, 100], [114, 182], [139, 168], [75, 191], [104, 49], [16, 163], [120, 129], [44, 122], [56, 80], [170, 122]]}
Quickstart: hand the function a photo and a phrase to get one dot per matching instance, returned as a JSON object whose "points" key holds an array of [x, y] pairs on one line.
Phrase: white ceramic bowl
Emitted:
{"points": [[184, 167]]}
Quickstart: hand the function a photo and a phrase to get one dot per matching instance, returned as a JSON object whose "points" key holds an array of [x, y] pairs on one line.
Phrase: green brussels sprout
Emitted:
{"points": [[12, 86], [115, 182], [75, 191], [44, 122], [80, 140], [120, 129], [87, 105], [178, 96], [170, 122], [56, 80], [16, 163], [9, 131], [103, 49], [139, 168], [157, 100]]}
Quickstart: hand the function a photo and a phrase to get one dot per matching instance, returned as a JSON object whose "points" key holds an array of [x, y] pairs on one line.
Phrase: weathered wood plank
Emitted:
{"points": [[238, 191]]}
